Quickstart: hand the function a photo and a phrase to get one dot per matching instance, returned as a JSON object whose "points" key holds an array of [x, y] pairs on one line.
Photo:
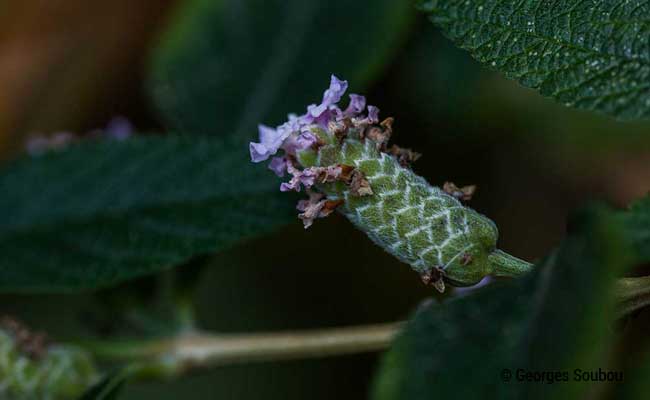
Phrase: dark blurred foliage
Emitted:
{"points": [[72, 65]]}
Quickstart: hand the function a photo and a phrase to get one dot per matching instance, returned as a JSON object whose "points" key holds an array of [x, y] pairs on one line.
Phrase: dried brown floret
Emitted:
{"points": [[466, 259], [464, 193], [359, 185], [435, 278], [346, 173], [380, 134], [340, 128], [406, 157], [311, 208]]}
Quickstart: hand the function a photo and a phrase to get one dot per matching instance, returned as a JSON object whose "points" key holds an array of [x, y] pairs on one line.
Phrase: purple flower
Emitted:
{"points": [[299, 142], [373, 114], [356, 106], [270, 141], [332, 173], [335, 92], [294, 183], [279, 166], [119, 128], [307, 177], [321, 124], [323, 113], [320, 115]]}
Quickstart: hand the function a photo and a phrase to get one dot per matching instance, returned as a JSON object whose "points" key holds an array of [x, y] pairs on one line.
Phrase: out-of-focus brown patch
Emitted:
{"points": [[65, 64]]}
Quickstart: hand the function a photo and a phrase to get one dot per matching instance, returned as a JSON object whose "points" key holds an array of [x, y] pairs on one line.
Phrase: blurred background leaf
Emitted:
{"points": [[145, 204], [457, 349], [227, 66], [577, 279], [582, 54], [460, 348]]}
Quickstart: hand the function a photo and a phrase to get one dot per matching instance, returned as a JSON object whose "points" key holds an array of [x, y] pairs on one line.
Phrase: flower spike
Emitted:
{"points": [[342, 159]]}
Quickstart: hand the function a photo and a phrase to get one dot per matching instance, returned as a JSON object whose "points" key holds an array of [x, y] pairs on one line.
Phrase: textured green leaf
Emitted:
{"points": [[593, 55], [554, 319], [226, 66], [100, 213]]}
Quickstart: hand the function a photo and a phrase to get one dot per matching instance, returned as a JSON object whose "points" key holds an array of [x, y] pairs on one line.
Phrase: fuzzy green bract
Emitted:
{"points": [[61, 373], [416, 222], [592, 55]]}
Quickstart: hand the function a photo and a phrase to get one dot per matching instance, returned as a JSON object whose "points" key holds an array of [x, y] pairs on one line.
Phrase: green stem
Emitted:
{"points": [[164, 358], [631, 293], [503, 264], [172, 357]]}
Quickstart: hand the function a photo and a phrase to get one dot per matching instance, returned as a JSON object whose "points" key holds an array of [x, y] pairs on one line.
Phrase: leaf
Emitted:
{"points": [[570, 328], [549, 320], [226, 66], [457, 349], [109, 387], [98, 214], [593, 55]]}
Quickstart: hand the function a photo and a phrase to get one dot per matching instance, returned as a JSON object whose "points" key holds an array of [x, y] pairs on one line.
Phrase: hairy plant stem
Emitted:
{"points": [[505, 265], [631, 294], [170, 357]]}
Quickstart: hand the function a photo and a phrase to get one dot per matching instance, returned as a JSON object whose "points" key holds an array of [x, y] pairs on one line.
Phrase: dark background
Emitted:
{"points": [[72, 65]]}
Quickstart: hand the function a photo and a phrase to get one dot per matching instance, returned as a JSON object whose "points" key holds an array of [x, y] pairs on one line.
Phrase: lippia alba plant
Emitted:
{"points": [[85, 213], [342, 158]]}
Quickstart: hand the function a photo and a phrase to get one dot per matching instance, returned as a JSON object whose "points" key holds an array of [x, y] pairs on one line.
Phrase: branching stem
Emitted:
{"points": [[172, 357]]}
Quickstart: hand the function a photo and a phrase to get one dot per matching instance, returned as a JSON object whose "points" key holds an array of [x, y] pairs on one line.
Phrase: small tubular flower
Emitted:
{"points": [[342, 159]]}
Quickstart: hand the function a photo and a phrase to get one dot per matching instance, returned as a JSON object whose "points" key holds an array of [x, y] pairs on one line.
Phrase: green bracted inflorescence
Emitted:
{"points": [[420, 224], [341, 157], [60, 373]]}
